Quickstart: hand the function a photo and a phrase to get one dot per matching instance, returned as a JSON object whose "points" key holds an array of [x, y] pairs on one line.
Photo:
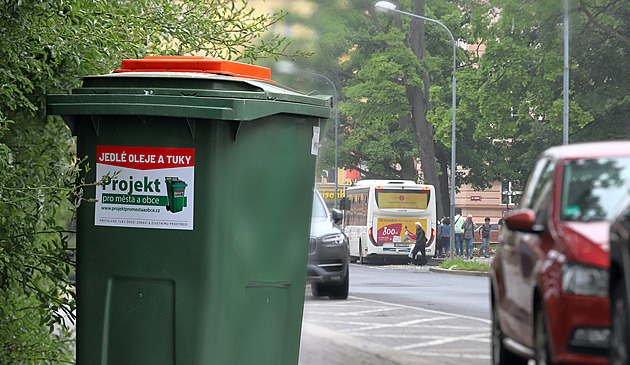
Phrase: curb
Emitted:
{"points": [[459, 272]]}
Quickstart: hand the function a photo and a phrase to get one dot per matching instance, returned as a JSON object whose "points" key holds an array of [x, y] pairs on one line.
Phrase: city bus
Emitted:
{"points": [[381, 215]]}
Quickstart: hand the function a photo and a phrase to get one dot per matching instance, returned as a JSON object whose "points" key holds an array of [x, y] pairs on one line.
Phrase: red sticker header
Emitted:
{"points": [[145, 158]]}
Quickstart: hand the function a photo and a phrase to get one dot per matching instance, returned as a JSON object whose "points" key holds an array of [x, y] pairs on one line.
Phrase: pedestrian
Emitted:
{"points": [[485, 238], [445, 236], [469, 228], [439, 250], [458, 222], [421, 241]]}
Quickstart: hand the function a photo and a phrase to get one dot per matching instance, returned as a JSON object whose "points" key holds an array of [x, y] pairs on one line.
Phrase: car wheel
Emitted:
{"points": [[340, 291], [541, 340], [619, 319], [500, 354], [317, 290]]}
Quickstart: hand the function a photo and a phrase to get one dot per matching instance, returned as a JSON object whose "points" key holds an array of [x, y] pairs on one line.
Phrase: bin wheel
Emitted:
{"points": [[168, 207]]}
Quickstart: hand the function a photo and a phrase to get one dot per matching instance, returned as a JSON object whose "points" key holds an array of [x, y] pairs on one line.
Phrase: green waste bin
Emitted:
{"points": [[219, 276], [176, 199]]}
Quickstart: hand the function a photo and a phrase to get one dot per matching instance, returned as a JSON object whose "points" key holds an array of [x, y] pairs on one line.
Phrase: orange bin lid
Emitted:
{"points": [[195, 64]]}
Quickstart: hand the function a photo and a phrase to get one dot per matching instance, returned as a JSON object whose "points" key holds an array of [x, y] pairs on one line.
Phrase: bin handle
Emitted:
{"points": [[258, 284]]}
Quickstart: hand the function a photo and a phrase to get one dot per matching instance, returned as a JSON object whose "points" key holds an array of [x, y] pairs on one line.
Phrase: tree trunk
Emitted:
{"points": [[408, 164], [443, 156], [419, 101], [408, 170]]}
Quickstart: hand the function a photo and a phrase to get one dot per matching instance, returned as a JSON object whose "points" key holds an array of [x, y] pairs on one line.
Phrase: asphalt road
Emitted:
{"points": [[400, 315]]}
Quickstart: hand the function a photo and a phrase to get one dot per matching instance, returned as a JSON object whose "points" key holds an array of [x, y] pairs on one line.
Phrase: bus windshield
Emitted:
{"points": [[402, 198]]}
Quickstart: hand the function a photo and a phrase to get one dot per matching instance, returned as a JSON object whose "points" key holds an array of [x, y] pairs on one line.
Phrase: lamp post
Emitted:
{"points": [[565, 82], [288, 68], [387, 6]]}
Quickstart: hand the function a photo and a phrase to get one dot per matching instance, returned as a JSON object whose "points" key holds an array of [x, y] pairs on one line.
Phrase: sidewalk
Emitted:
{"points": [[434, 266]]}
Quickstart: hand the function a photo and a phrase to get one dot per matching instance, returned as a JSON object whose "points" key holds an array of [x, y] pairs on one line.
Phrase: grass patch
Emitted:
{"points": [[459, 264]]}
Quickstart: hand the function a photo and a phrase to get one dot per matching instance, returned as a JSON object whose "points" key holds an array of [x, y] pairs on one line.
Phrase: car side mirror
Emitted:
{"points": [[523, 220], [337, 216]]}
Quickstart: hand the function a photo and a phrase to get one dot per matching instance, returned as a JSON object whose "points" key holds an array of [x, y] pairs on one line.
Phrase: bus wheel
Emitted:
{"points": [[361, 258]]}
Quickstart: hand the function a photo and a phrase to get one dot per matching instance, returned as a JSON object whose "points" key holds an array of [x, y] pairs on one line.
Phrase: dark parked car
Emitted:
{"points": [[328, 253], [549, 279], [619, 281]]}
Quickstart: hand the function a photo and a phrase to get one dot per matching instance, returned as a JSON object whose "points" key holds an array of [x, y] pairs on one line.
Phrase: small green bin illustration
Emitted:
{"points": [[175, 189]]}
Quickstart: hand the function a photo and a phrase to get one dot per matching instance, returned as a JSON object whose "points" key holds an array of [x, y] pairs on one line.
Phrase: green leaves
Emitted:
{"points": [[515, 94], [45, 47], [35, 181], [376, 101]]}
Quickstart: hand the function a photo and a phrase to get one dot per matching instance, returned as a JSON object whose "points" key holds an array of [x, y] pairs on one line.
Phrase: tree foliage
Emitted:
{"points": [[375, 104], [514, 97], [391, 75], [45, 46], [509, 87], [600, 76]]}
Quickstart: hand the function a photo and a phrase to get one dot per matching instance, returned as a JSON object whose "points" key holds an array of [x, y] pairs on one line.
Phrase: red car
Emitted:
{"points": [[549, 279]]}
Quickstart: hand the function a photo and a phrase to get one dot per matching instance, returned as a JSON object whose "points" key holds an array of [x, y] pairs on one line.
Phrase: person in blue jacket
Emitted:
{"points": [[485, 238], [445, 237]]}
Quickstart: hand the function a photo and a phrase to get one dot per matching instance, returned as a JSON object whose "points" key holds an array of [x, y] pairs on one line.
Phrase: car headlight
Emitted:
{"points": [[581, 279], [335, 239]]}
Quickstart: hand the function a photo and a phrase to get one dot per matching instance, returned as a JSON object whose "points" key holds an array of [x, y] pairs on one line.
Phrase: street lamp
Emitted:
{"points": [[289, 68], [387, 6], [565, 81]]}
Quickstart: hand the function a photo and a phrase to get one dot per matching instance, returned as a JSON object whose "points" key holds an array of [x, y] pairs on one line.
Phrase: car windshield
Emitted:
{"points": [[319, 209], [592, 188]]}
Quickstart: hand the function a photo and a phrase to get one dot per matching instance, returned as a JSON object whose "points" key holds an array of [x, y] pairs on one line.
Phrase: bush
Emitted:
{"points": [[45, 47]]}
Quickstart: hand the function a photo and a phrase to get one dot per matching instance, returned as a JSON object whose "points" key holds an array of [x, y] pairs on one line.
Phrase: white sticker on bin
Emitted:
{"points": [[315, 141], [145, 187]]}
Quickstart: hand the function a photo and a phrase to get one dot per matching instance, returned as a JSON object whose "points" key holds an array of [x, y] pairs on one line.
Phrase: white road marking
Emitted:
{"points": [[417, 332], [433, 311], [442, 341], [386, 325]]}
